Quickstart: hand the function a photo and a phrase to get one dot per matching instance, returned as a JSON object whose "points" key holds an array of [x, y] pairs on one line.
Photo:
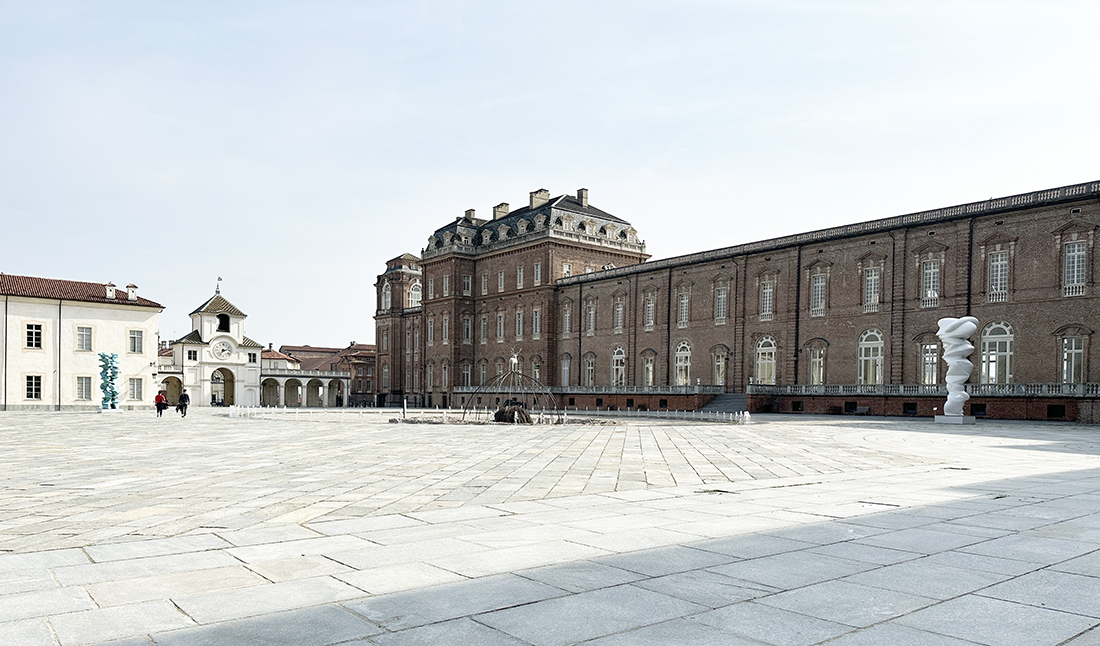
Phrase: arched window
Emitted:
{"points": [[385, 376], [870, 357], [223, 322], [414, 295], [683, 364], [387, 296], [996, 353], [765, 360], [618, 367], [718, 363]]}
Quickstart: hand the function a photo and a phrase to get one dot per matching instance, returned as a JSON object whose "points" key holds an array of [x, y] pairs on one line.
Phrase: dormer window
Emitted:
{"points": [[223, 322]]}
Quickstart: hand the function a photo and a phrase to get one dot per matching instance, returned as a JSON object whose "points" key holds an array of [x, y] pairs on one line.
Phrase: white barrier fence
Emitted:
{"points": [[437, 415]]}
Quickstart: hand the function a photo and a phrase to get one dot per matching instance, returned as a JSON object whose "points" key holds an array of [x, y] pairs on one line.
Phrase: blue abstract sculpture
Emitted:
{"points": [[108, 374]]}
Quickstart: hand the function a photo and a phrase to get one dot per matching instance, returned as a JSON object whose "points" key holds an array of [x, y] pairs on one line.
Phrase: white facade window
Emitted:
{"points": [[467, 329], [519, 325], [84, 338], [683, 364], [1073, 271], [817, 295], [445, 329], [996, 358], [817, 366], [137, 341], [721, 304], [648, 372], [718, 373], [135, 388], [484, 329], [765, 361], [649, 311], [872, 279], [446, 286], [34, 335], [536, 323], [618, 367], [252, 357], [34, 386], [566, 320], [192, 355], [566, 269], [589, 371], [519, 277], [870, 357], [538, 274], [500, 327], [84, 388], [590, 318], [467, 284], [414, 295], [1073, 360], [683, 311], [618, 316], [484, 284], [767, 301], [929, 363], [930, 283], [998, 277], [500, 281]]}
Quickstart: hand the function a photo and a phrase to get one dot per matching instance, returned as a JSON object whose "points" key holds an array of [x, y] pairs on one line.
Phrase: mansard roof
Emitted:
{"points": [[68, 290], [562, 202], [218, 305]]}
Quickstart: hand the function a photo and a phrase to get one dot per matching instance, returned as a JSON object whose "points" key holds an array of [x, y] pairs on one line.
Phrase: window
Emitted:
{"points": [[34, 335], [252, 357], [359, 385], [1073, 359], [817, 365], [429, 376], [192, 355], [84, 388], [590, 318], [500, 281], [767, 301], [565, 371], [618, 367], [446, 286], [414, 295], [589, 371], [871, 285], [467, 284], [83, 338], [408, 343], [817, 295], [519, 325], [1073, 272], [683, 310], [566, 269], [445, 329], [538, 274], [536, 370], [385, 340], [385, 376], [649, 311], [869, 352], [135, 388], [519, 277], [930, 283], [34, 386], [648, 372], [431, 288], [484, 329], [566, 320], [500, 368], [416, 340], [467, 329], [998, 277], [500, 327], [137, 338], [445, 381], [484, 284], [996, 353], [929, 364], [765, 361], [536, 323], [683, 364], [416, 379], [482, 373], [431, 332], [387, 296], [721, 298], [467, 375], [718, 373], [620, 306], [223, 322]]}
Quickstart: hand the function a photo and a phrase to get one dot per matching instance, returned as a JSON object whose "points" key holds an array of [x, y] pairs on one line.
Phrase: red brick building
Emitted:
{"points": [[836, 320]]}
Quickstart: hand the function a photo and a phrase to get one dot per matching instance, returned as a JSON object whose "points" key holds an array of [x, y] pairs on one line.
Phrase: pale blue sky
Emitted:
{"points": [[293, 147]]}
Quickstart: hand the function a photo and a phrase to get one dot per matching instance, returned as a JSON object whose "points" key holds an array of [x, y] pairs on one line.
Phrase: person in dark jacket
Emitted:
{"points": [[185, 401]]}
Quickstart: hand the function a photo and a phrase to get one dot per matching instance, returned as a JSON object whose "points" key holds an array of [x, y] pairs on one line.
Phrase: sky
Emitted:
{"points": [[291, 148]]}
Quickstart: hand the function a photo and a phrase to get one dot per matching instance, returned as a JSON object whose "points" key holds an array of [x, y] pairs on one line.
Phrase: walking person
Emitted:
{"points": [[185, 400], [161, 402]]}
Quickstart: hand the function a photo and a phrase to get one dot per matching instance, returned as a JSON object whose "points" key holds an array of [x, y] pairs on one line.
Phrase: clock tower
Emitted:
{"points": [[221, 366]]}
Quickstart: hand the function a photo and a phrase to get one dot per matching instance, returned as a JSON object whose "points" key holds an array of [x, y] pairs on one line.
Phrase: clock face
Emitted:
{"points": [[222, 349]]}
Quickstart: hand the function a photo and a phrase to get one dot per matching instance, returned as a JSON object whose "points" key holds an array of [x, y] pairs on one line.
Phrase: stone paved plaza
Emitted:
{"points": [[346, 528]]}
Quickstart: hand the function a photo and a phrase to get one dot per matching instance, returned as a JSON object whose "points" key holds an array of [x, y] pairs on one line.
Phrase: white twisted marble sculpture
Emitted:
{"points": [[956, 348]]}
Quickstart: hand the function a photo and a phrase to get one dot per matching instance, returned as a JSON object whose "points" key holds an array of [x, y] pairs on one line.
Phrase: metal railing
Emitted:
{"points": [[445, 415], [699, 389], [977, 390], [285, 372]]}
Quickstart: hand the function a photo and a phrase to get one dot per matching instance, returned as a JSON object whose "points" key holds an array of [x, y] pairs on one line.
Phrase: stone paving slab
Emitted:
{"points": [[793, 530]]}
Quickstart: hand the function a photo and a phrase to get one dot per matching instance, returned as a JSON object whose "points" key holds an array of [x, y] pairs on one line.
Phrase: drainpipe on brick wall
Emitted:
{"points": [[797, 313], [668, 331], [969, 265]]}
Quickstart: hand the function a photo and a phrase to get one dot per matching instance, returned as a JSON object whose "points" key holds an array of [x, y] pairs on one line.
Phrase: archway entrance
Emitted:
{"points": [[314, 391], [292, 393], [270, 393], [172, 388], [222, 388]]}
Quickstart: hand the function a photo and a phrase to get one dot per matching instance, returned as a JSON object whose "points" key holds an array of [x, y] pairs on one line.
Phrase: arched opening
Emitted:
{"points": [[292, 393], [618, 367], [870, 353], [683, 364], [222, 388], [269, 393], [765, 360], [172, 387], [223, 322], [314, 390], [336, 395], [996, 353]]}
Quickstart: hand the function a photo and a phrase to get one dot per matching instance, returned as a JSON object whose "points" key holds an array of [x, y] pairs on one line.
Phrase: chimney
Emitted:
{"points": [[500, 210], [470, 214], [131, 292], [110, 291], [582, 196], [270, 346], [539, 197]]}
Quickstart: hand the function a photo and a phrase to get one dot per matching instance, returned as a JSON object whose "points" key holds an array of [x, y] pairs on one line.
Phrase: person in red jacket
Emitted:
{"points": [[162, 403]]}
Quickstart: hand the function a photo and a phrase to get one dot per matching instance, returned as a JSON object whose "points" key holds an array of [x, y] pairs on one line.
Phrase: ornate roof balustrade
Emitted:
{"points": [[940, 390], [606, 390]]}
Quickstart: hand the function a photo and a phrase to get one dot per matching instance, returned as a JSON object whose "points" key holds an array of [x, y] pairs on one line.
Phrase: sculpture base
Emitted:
{"points": [[955, 419], [111, 410]]}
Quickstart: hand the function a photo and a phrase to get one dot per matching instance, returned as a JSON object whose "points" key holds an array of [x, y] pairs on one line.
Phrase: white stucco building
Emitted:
{"points": [[53, 332]]}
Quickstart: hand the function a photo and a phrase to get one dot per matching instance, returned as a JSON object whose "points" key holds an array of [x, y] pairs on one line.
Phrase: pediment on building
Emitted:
{"points": [[996, 239], [1073, 329], [819, 266], [930, 247], [1075, 226]]}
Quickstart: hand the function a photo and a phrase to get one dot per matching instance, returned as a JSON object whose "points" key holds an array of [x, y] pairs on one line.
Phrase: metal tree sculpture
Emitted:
{"points": [[525, 393], [108, 374]]}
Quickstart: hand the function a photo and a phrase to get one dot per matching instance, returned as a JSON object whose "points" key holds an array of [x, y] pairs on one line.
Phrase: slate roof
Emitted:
{"points": [[69, 290], [217, 304], [249, 343], [193, 337], [563, 202]]}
